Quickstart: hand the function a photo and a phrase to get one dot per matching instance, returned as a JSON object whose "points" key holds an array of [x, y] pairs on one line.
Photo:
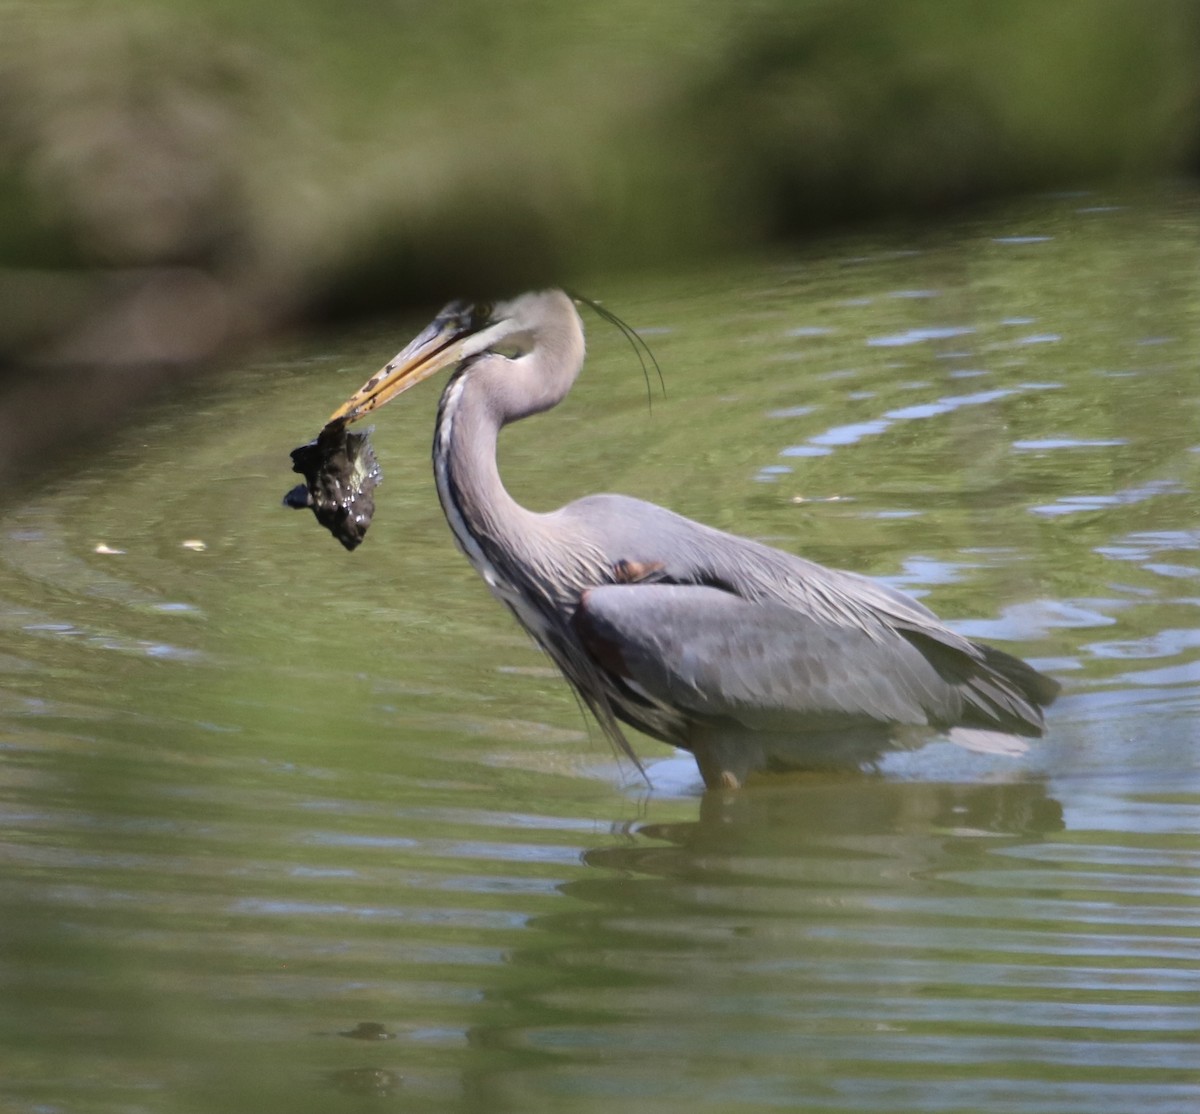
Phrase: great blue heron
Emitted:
{"points": [[749, 657]]}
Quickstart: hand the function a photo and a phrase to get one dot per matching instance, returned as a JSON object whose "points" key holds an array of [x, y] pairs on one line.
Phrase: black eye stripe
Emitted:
{"points": [[481, 314], [463, 318]]}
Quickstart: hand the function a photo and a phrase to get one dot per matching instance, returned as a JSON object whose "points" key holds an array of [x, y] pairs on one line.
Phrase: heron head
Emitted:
{"points": [[460, 331]]}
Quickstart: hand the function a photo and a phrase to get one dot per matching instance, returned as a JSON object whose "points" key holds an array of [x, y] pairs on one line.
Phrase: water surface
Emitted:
{"points": [[283, 827]]}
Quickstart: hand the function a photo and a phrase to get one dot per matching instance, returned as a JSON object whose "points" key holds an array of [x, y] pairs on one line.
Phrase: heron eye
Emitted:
{"points": [[481, 315]]}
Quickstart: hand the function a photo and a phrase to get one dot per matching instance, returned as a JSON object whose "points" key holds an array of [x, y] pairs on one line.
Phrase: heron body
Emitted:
{"points": [[747, 656]]}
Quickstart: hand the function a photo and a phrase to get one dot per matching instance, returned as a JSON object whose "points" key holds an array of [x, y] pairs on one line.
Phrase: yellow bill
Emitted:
{"points": [[442, 343]]}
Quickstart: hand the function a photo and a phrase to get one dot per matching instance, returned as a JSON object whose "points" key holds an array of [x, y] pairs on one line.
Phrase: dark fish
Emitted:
{"points": [[340, 473]]}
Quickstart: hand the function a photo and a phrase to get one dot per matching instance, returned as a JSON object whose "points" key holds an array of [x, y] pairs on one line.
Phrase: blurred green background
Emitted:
{"points": [[181, 177], [255, 792]]}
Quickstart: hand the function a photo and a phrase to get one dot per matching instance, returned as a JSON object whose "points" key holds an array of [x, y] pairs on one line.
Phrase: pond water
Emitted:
{"points": [[287, 828]]}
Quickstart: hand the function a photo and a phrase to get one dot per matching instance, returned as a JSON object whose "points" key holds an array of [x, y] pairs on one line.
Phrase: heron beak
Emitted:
{"points": [[438, 346]]}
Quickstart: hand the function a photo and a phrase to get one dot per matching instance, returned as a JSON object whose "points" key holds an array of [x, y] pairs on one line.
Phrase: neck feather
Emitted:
{"points": [[488, 523]]}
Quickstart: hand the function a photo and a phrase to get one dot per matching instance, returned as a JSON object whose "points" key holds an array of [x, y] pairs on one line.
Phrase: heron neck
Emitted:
{"points": [[486, 520]]}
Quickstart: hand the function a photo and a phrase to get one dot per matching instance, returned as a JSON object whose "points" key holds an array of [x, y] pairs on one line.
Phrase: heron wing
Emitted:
{"points": [[770, 667], [716, 625]]}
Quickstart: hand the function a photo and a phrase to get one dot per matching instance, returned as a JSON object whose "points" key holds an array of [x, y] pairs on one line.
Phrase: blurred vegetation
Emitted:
{"points": [[180, 176]]}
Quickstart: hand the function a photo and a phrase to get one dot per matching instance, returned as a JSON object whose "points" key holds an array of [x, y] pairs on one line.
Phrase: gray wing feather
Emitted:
{"points": [[764, 665], [728, 628], [692, 553]]}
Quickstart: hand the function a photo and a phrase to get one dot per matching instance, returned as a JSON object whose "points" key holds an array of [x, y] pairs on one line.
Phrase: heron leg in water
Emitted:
{"points": [[725, 762], [728, 754]]}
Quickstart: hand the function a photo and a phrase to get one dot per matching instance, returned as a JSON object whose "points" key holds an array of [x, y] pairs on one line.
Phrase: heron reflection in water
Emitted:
{"points": [[748, 657]]}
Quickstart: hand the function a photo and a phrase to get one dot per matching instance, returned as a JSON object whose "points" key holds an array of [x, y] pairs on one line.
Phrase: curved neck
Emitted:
{"points": [[515, 550], [486, 520]]}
